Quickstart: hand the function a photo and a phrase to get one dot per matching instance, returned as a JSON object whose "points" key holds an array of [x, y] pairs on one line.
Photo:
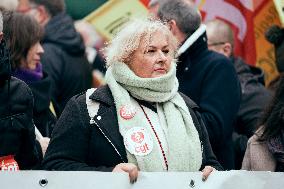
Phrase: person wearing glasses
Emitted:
{"points": [[255, 97], [207, 77]]}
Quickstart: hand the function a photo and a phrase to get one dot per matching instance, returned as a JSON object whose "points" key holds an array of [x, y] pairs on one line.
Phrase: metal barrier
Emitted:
{"points": [[149, 180]]}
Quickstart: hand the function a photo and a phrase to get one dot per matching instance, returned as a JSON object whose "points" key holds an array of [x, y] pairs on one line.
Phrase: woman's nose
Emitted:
{"points": [[162, 57], [40, 49]]}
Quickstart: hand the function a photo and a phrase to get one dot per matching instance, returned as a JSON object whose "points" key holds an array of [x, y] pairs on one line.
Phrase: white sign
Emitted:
{"points": [[146, 180]]}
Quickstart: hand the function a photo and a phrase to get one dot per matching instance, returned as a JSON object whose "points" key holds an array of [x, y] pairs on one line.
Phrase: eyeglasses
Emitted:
{"points": [[215, 44]]}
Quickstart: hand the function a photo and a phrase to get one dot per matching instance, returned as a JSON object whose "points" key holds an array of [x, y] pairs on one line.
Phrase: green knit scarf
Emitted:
{"points": [[184, 148]]}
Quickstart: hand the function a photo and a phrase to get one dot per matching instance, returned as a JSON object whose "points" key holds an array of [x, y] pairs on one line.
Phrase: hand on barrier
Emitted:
{"points": [[130, 168], [206, 172], [44, 144]]}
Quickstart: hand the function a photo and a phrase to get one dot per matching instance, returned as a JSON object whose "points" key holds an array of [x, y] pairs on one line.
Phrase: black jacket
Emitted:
{"points": [[255, 97], [210, 80], [17, 132], [78, 145], [43, 117], [64, 60]]}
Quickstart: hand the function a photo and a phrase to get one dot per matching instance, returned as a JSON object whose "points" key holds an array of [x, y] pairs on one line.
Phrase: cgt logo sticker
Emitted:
{"points": [[8, 163]]}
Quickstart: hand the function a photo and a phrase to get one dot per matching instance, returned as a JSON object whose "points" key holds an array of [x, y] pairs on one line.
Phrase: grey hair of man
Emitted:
{"points": [[186, 16], [219, 31]]}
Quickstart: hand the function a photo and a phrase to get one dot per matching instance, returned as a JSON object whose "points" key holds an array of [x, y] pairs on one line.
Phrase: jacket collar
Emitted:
{"points": [[192, 39], [247, 71], [103, 95], [108, 117]]}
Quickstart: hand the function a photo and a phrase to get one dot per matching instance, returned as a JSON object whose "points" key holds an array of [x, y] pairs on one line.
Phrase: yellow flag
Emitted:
{"points": [[279, 4], [109, 18]]}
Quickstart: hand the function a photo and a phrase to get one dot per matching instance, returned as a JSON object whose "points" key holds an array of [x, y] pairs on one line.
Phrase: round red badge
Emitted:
{"points": [[127, 111], [138, 141], [8, 163]]}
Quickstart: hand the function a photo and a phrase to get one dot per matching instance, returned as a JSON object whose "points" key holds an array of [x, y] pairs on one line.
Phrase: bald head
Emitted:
{"points": [[220, 37]]}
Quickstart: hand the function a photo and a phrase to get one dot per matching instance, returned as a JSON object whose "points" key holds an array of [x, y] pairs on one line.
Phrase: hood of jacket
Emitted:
{"points": [[247, 72], [60, 30]]}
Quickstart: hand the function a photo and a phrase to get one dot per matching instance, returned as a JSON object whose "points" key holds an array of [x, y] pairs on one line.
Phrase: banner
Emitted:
{"points": [[146, 180], [280, 9], [249, 20], [109, 18]]}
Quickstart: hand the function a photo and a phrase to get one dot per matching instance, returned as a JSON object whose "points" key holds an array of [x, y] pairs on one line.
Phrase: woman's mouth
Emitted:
{"points": [[160, 70]]}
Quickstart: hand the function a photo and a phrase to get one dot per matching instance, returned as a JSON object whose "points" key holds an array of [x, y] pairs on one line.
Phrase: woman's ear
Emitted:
{"points": [[127, 60], [43, 15]]}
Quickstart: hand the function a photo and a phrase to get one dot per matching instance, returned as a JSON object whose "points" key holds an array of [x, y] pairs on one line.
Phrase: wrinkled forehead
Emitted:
{"points": [[156, 37]]}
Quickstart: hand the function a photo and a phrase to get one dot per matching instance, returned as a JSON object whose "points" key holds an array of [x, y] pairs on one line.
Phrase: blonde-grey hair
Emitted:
{"points": [[121, 48], [9, 5]]}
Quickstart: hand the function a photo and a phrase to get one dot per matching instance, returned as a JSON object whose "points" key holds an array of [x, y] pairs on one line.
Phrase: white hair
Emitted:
{"points": [[9, 5], [121, 48], [1, 22]]}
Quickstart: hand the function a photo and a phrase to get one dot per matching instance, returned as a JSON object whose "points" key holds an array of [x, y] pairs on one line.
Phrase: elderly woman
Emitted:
{"points": [[138, 121]]}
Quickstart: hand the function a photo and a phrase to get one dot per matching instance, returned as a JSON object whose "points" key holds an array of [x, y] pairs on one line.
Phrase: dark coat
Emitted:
{"points": [[17, 131], [43, 117], [64, 60], [210, 80], [78, 145], [255, 97]]}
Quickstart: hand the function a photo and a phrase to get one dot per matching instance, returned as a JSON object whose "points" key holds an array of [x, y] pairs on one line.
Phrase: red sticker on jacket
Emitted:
{"points": [[8, 163], [138, 141], [127, 111]]}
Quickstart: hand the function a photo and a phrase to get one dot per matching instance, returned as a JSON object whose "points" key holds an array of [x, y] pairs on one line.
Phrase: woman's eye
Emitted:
{"points": [[166, 51], [151, 51]]}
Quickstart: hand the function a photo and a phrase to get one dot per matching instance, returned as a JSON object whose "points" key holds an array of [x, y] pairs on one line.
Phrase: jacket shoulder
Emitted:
{"points": [[188, 101], [20, 97]]}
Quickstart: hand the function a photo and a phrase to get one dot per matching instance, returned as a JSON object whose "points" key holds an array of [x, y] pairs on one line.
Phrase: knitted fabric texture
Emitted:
{"points": [[184, 147]]}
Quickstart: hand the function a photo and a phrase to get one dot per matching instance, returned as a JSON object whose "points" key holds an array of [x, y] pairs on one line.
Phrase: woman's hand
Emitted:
{"points": [[130, 168], [206, 172]]}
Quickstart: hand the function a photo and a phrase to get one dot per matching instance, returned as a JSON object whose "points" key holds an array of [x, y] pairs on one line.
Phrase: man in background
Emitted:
{"points": [[255, 97], [206, 76]]}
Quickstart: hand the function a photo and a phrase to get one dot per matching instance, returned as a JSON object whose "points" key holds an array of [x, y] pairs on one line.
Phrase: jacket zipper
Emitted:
{"points": [[93, 122]]}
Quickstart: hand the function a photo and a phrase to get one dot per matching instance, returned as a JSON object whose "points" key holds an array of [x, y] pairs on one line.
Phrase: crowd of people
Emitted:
{"points": [[174, 98]]}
